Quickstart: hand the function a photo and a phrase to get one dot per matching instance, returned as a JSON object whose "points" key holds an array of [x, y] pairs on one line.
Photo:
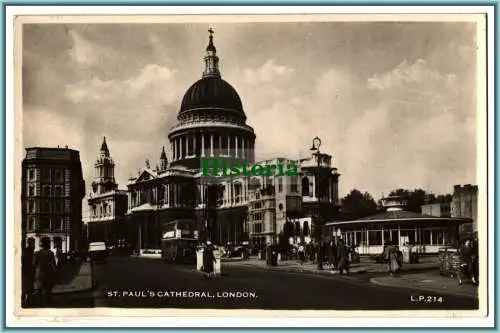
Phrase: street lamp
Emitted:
{"points": [[316, 143]]}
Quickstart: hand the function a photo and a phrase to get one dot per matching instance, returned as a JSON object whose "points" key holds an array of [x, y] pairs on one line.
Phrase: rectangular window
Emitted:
{"points": [[59, 175], [31, 190], [45, 224], [58, 191], [58, 224], [280, 185], [46, 174], [31, 207], [59, 207], [426, 237], [31, 174], [46, 191], [438, 237], [31, 223], [375, 237], [46, 206]]}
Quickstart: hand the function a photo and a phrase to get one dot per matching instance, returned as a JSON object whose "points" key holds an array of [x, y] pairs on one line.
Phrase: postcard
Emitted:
{"points": [[254, 165]]}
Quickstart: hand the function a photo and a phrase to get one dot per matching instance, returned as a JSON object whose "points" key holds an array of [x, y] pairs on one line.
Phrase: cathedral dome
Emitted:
{"points": [[211, 91]]}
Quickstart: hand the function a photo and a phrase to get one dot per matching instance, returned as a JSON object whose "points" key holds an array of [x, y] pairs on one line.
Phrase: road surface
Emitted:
{"points": [[138, 282]]}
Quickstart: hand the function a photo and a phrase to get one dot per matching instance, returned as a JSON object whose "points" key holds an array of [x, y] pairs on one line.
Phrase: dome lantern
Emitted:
{"points": [[211, 59]]}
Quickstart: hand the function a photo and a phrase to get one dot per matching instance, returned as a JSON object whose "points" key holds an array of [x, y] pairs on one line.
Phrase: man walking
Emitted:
{"points": [[342, 258], [45, 271], [28, 271]]}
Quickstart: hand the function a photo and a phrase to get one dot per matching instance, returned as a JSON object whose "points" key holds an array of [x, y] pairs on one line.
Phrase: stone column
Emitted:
{"points": [[211, 144], [176, 149], [187, 145], [229, 145], [165, 195], [236, 145], [181, 154], [194, 144], [243, 153], [202, 144], [314, 186]]}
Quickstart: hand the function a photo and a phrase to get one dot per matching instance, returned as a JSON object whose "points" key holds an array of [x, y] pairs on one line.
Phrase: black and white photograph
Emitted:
{"points": [[328, 163]]}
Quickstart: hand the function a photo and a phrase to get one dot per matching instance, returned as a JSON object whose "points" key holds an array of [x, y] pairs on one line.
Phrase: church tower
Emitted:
{"points": [[104, 171], [163, 161]]}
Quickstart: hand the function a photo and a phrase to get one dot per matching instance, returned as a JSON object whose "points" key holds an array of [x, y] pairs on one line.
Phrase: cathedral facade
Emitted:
{"points": [[212, 124]]}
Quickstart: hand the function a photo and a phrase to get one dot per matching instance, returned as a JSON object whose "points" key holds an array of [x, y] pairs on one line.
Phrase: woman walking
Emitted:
{"points": [[332, 256], [391, 256], [468, 257], [208, 260]]}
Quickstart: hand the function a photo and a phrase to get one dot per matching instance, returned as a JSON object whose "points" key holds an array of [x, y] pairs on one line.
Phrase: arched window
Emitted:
{"points": [[31, 242], [58, 243], [306, 228], [237, 192], [45, 241], [297, 229], [305, 187]]}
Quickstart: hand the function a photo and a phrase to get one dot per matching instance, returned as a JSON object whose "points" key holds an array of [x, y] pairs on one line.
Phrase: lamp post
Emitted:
{"points": [[316, 143]]}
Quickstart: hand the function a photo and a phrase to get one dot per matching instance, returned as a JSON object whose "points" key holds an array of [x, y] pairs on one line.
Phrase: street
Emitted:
{"points": [[151, 283]]}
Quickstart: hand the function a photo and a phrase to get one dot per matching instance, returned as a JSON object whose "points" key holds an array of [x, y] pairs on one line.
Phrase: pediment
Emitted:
{"points": [[145, 175]]}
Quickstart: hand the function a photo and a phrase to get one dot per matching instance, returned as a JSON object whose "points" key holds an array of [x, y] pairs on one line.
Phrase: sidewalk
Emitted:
{"points": [[75, 279], [428, 281], [365, 266]]}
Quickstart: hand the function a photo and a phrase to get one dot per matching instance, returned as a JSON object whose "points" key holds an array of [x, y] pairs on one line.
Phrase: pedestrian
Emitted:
{"points": [[45, 271], [28, 271], [343, 258], [302, 254], [332, 256], [208, 260], [467, 256], [391, 257]]}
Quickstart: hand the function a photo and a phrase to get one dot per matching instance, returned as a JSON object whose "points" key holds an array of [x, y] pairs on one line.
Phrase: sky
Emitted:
{"points": [[393, 103]]}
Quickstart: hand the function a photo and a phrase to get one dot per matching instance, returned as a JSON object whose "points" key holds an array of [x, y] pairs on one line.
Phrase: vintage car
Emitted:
{"points": [[98, 252]]}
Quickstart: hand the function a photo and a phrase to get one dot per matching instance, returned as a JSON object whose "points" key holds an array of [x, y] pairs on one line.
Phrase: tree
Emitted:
{"points": [[416, 198], [357, 205]]}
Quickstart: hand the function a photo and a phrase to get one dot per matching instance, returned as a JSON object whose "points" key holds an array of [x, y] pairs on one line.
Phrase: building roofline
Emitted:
{"points": [[423, 218]]}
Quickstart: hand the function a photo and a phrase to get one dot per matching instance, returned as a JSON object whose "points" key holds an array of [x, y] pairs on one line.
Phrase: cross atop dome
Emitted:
{"points": [[211, 59]]}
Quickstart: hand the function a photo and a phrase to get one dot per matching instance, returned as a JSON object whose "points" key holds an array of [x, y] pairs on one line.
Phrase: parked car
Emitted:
{"points": [[98, 252]]}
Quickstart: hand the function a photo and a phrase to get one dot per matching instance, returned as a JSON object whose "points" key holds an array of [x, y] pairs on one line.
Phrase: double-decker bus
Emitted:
{"points": [[179, 241]]}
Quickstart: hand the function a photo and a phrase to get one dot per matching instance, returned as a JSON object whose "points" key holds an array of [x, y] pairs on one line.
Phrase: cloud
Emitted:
{"points": [[406, 75], [83, 52], [387, 122], [152, 81], [412, 133], [267, 72], [54, 132]]}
